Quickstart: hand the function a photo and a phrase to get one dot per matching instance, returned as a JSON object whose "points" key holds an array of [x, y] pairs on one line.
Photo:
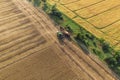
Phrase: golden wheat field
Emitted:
{"points": [[100, 17]]}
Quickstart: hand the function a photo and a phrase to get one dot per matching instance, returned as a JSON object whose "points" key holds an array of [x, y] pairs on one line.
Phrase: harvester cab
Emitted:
{"points": [[60, 35]]}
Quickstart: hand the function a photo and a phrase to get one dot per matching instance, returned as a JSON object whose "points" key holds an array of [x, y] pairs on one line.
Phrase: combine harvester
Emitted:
{"points": [[63, 33]]}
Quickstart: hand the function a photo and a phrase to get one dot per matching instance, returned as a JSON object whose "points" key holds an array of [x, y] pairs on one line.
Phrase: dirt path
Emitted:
{"points": [[29, 49]]}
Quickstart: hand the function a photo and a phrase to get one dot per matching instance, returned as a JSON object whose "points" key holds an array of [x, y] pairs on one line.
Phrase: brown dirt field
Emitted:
{"points": [[30, 50], [42, 65]]}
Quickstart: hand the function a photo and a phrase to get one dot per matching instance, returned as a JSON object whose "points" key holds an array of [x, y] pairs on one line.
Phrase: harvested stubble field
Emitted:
{"points": [[30, 50], [25, 54], [100, 17]]}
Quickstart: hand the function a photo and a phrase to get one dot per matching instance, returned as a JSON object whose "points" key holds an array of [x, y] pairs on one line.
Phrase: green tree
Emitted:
{"points": [[106, 47], [117, 56], [56, 13], [111, 61], [37, 2], [45, 7], [43, 0]]}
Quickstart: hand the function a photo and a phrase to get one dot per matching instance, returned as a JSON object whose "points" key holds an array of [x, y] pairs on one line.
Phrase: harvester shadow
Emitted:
{"points": [[61, 41], [83, 47], [68, 38]]}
